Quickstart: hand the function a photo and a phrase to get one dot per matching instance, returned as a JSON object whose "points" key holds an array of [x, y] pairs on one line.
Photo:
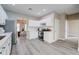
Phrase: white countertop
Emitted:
{"points": [[5, 38]]}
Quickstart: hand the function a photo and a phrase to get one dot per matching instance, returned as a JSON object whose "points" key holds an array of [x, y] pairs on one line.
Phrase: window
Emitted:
{"points": [[25, 27], [18, 27]]}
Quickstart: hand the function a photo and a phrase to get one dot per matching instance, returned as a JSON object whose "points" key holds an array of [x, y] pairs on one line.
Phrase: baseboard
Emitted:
{"points": [[62, 38]]}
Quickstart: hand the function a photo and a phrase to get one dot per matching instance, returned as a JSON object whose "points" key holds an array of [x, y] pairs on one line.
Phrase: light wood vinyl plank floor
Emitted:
{"points": [[37, 47]]}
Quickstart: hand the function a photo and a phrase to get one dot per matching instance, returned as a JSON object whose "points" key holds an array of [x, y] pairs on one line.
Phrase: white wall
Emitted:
{"points": [[62, 26], [57, 26]]}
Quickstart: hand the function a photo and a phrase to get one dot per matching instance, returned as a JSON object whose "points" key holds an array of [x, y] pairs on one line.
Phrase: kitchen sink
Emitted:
{"points": [[1, 37]]}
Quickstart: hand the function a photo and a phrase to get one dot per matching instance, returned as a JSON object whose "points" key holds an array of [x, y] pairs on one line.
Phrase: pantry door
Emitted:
{"points": [[56, 29]]}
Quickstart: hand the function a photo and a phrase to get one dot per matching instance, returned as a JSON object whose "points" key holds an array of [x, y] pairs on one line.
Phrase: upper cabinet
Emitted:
{"points": [[34, 23], [48, 20], [3, 16]]}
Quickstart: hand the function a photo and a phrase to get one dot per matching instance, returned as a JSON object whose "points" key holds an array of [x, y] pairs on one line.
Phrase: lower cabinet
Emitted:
{"points": [[49, 36], [5, 49]]}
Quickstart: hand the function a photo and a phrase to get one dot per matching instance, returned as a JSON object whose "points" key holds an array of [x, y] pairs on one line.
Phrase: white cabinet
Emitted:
{"points": [[5, 48], [3, 16], [47, 20], [33, 34], [49, 36]]}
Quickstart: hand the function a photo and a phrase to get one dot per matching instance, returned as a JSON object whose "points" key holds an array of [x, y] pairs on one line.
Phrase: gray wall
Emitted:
{"points": [[2, 26], [10, 27]]}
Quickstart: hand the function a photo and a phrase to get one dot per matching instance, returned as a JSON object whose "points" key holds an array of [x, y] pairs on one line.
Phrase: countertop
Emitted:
{"points": [[8, 34]]}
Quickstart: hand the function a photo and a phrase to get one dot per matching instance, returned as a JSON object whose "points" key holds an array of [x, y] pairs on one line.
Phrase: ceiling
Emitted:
{"points": [[39, 10]]}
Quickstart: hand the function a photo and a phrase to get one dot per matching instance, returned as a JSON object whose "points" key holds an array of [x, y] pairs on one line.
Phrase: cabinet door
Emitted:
{"points": [[9, 46], [3, 16], [4, 49]]}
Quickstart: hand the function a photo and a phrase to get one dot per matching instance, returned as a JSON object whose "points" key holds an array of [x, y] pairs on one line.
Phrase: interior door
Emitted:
{"points": [[56, 29]]}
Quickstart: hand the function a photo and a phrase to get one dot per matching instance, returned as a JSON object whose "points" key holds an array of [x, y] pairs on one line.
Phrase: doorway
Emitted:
{"points": [[21, 27]]}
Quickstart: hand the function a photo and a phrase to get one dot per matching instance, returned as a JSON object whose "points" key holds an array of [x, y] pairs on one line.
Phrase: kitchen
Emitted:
{"points": [[39, 27], [47, 30], [42, 29]]}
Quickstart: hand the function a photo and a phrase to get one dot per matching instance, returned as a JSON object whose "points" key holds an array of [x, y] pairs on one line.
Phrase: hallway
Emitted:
{"points": [[37, 47]]}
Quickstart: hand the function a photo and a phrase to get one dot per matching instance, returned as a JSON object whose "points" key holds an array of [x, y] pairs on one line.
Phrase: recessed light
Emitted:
{"points": [[44, 9], [29, 9]]}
